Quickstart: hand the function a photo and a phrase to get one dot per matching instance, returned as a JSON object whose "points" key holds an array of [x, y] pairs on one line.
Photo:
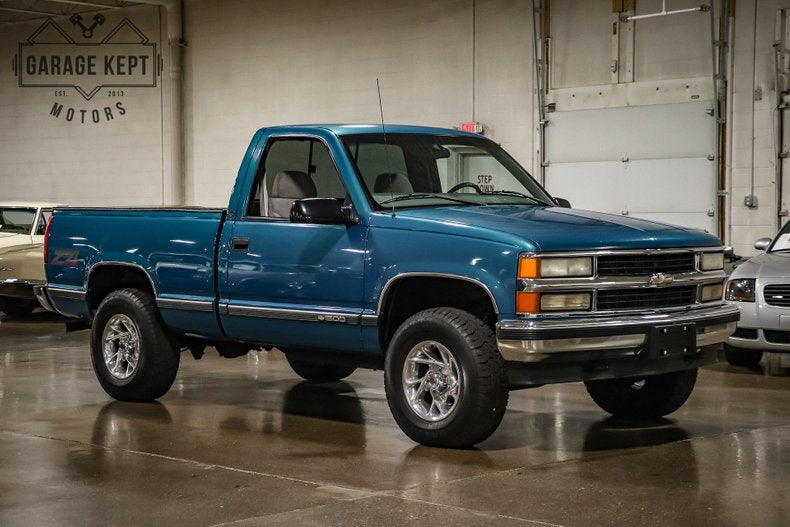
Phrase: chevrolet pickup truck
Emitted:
{"points": [[426, 252]]}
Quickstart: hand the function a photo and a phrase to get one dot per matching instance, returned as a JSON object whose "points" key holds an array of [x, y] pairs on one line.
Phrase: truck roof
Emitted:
{"points": [[28, 204], [351, 129]]}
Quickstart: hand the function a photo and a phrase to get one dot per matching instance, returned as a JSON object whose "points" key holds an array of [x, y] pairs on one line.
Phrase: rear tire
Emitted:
{"points": [[639, 398], [17, 307], [318, 372], [742, 357], [133, 356], [445, 380]]}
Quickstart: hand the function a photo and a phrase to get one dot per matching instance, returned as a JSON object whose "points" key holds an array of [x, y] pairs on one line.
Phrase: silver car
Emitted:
{"points": [[760, 287]]}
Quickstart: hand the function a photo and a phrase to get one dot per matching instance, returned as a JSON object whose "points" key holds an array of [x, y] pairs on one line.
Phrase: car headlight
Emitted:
{"points": [[741, 290], [565, 302], [554, 267], [711, 261], [711, 293]]}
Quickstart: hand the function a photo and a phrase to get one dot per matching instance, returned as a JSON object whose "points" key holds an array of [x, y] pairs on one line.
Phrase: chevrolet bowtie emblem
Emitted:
{"points": [[661, 279]]}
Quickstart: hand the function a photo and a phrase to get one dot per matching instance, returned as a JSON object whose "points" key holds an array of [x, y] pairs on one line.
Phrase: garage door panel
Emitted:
{"points": [[639, 132], [669, 185], [597, 186]]}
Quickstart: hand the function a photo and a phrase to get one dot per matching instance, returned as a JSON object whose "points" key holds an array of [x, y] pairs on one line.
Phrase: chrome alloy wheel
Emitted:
{"points": [[432, 381], [121, 341]]}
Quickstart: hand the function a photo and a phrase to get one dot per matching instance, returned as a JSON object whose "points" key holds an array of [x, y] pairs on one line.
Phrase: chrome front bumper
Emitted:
{"points": [[535, 340]]}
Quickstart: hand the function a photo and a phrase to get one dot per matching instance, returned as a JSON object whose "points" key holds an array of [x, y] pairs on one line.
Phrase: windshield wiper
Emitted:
{"points": [[418, 195], [520, 195]]}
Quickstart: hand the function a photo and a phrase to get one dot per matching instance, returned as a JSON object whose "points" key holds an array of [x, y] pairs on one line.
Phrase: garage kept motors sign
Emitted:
{"points": [[123, 59]]}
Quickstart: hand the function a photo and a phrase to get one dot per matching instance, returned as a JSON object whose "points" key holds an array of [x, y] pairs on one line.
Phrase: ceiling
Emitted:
{"points": [[13, 11]]}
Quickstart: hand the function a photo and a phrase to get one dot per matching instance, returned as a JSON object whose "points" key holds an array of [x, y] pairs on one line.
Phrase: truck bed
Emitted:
{"points": [[176, 247]]}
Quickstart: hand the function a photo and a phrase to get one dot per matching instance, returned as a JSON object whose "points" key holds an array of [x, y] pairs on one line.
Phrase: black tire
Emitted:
{"points": [[643, 398], [158, 358], [17, 307], [742, 357], [318, 372], [483, 391]]}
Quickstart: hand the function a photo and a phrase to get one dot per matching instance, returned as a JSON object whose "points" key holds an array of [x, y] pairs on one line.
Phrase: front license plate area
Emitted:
{"points": [[676, 339]]}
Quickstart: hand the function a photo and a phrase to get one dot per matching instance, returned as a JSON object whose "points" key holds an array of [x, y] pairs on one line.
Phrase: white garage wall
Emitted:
{"points": [[255, 63], [43, 157], [252, 64]]}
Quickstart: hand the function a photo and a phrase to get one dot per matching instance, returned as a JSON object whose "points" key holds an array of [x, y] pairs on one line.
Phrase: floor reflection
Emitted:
{"points": [[119, 427]]}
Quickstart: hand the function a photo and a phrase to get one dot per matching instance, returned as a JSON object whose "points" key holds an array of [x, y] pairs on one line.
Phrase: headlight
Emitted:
{"points": [[711, 293], [740, 290], [565, 302], [536, 302], [711, 261], [554, 267]]}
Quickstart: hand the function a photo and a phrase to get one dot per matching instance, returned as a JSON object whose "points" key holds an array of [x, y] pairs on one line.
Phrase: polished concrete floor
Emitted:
{"points": [[244, 442]]}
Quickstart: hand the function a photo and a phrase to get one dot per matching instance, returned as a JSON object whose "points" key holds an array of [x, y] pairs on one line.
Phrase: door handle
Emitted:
{"points": [[240, 244]]}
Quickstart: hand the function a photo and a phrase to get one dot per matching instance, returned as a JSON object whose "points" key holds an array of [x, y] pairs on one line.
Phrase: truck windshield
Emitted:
{"points": [[424, 170], [16, 220]]}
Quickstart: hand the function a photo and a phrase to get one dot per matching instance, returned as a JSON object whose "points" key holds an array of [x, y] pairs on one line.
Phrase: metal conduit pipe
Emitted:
{"points": [[174, 10], [664, 11]]}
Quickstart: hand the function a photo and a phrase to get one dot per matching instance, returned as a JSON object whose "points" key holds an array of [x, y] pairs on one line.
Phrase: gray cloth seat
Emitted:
{"points": [[289, 186], [392, 183]]}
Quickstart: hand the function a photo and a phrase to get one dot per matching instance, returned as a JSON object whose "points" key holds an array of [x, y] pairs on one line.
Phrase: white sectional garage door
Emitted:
{"points": [[644, 161]]}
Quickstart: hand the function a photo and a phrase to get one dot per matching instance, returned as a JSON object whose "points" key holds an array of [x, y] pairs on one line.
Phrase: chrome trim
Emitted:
{"points": [[73, 294], [532, 285], [125, 264], [291, 314], [611, 252], [18, 281], [399, 276], [369, 320], [537, 350], [678, 316], [185, 305], [534, 350], [710, 335]]}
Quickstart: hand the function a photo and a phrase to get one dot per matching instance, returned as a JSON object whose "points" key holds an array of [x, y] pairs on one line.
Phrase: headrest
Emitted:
{"points": [[293, 184], [395, 183]]}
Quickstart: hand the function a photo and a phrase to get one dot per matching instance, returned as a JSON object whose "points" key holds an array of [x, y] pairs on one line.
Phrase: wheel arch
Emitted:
{"points": [[106, 277], [426, 290]]}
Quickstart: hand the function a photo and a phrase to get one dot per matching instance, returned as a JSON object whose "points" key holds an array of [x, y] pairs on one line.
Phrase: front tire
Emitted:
{"points": [[742, 357], [17, 307], [318, 372], [132, 354], [639, 398], [445, 380]]}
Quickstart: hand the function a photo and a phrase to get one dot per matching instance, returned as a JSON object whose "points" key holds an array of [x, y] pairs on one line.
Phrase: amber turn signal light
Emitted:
{"points": [[529, 268], [527, 302]]}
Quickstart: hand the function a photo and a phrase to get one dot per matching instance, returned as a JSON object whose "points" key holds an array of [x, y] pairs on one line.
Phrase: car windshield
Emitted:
{"points": [[16, 220], [782, 240], [424, 170]]}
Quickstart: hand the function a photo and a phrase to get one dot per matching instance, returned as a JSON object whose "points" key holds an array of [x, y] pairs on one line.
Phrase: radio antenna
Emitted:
{"points": [[386, 147]]}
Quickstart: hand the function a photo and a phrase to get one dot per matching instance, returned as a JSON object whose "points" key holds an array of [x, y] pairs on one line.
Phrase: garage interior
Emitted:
{"points": [[667, 110]]}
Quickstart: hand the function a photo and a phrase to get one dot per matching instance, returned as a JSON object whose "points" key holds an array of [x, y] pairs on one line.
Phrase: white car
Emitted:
{"points": [[22, 227], [760, 287]]}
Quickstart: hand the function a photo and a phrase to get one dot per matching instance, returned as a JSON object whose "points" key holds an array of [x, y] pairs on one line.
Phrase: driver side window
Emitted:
{"points": [[293, 169]]}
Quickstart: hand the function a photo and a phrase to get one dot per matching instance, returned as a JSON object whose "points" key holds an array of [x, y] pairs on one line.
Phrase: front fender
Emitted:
{"points": [[397, 254]]}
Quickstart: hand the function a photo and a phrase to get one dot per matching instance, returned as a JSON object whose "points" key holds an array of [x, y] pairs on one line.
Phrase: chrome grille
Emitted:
{"points": [[777, 295], [645, 264], [646, 298]]}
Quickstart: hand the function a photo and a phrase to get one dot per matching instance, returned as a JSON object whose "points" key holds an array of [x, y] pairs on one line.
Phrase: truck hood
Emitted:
{"points": [[768, 265], [554, 228]]}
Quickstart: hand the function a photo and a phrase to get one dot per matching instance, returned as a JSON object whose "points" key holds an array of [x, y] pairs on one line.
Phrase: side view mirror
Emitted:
{"points": [[762, 244], [323, 211], [562, 202]]}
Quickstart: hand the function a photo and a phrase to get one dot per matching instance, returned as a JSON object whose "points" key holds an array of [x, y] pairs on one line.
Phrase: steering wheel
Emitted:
{"points": [[459, 186]]}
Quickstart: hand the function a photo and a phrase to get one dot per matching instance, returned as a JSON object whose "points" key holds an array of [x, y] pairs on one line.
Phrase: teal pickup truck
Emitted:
{"points": [[428, 253]]}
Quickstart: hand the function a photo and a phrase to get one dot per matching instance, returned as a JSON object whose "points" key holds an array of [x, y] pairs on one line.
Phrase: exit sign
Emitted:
{"points": [[472, 127]]}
